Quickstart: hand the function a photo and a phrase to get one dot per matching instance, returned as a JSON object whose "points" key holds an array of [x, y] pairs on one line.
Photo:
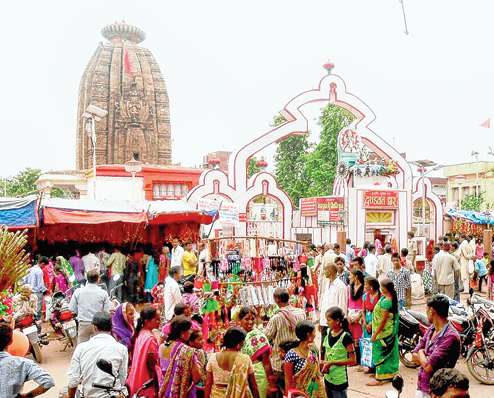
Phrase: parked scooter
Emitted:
{"points": [[27, 325], [62, 320]]}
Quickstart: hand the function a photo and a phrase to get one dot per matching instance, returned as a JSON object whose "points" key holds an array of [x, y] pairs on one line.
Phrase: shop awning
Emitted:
{"points": [[176, 211], [17, 213], [86, 211]]}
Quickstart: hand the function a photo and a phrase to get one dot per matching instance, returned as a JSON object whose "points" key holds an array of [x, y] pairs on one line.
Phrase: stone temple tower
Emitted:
{"points": [[125, 80]]}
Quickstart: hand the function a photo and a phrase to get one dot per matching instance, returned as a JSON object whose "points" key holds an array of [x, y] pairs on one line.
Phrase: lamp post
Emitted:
{"points": [[133, 166], [92, 115], [422, 169], [459, 181]]}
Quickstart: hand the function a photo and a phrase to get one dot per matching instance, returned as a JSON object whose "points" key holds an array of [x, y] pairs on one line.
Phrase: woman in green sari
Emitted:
{"points": [[257, 347], [385, 320]]}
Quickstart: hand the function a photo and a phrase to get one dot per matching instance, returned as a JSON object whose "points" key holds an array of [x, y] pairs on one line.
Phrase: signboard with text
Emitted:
{"points": [[308, 207], [381, 200], [329, 209], [228, 212]]}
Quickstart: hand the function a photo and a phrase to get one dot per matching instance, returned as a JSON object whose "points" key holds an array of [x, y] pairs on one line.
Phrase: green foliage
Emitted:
{"points": [[252, 167], [473, 202], [291, 174], [24, 183], [304, 169]]}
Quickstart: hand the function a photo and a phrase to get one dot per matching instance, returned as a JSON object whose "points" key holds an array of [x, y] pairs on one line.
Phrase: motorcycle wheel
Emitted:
{"points": [[479, 367], [406, 353], [73, 341], [36, 351]]}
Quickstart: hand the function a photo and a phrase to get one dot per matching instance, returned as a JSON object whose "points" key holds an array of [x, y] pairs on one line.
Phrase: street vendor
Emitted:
{"points": [[24, 303]]}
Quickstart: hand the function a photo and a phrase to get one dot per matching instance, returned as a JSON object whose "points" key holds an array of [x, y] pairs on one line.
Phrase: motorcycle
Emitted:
{"points": [[27, 325], [117, 392], [412, 327], [62, 320], [480, 351]]}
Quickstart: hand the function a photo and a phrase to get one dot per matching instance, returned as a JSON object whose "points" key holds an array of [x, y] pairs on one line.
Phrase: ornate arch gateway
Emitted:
{"points": [[374, 182]]}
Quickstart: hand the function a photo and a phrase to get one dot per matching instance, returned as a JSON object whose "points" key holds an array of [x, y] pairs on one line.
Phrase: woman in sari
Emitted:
{"points": [[301, 366], [123, 324], [385, 320], [355, 292], [257, 347], [369, 301], [151, 276], [145, 354], [179, 364], [229, 372], [164, 264]]}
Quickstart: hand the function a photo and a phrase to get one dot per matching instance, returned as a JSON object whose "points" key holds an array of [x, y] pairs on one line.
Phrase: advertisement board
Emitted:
{"points": [[329, 209]]}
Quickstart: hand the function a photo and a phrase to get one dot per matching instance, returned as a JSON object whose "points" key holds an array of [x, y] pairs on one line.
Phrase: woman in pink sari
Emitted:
{"points": [[145, 359]]}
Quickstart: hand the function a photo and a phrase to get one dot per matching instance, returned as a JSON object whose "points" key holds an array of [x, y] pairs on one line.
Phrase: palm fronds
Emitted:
{"points": [[14, 261]]}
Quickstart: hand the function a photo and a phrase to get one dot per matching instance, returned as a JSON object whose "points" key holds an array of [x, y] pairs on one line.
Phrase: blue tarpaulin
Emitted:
{"points": [[475, 217], [16, 212]]}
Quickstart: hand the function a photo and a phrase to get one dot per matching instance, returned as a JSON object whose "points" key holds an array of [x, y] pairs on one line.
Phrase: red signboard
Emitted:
{"points": [[308, 207], [381, 199], [242, 217], [329, 209]]}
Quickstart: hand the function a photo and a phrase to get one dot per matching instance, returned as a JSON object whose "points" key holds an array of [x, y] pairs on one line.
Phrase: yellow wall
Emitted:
{"points": [[480, 174]]}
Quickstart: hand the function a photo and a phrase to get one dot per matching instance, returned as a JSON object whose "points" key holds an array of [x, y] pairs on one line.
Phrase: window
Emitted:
{"points": [[170, 190], [135, 155]]}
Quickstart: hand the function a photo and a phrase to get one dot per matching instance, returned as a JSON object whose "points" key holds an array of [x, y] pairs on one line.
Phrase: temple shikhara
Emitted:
{"points": [[124, 79]]}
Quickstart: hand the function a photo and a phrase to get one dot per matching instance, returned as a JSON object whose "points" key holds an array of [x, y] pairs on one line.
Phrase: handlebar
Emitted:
{"points": [[107, 388]]}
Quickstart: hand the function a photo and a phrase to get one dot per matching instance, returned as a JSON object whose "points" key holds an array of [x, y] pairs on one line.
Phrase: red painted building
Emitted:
{"points": [[159, 182]]}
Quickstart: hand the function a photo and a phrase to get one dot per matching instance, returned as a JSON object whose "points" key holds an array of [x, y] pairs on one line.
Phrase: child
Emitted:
{"points": [[490, 281], [338, 353], [196, 341], [473, 283], [481, 268]]}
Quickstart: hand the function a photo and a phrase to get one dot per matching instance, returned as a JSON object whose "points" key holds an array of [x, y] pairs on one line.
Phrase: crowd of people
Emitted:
{"points": [[158, 335]]}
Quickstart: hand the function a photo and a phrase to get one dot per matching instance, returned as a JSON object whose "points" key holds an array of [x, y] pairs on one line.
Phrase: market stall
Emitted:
{"points": [[120, 223]]}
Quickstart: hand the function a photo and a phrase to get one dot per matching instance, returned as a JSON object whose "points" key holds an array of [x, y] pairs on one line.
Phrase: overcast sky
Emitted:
{"points": [[231, 65]]}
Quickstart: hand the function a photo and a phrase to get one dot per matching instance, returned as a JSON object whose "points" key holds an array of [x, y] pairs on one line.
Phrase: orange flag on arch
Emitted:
{"points": [[486, 124]]}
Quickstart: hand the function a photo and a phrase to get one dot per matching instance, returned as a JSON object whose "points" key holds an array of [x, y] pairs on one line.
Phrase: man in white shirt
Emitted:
{"points": [[370, 261], [444, 266], [466, 254], [177, 254], [171, 292], [203, 259], [91, 261], [83, 371], [336, 293], [86, 302], [384, 263]]}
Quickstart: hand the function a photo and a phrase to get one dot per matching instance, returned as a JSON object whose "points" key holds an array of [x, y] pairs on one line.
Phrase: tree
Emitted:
{"points": [[473, 202], [322, 162], [303, 172], [252, 167], [24, 183], [290, 170]]}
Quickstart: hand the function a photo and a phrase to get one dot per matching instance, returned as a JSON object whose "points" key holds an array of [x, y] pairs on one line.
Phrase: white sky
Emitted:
{"points": [[231, 65]]}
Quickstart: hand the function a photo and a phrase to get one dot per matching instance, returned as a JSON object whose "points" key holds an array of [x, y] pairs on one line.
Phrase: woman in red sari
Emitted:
{"points": [[145, 358]]}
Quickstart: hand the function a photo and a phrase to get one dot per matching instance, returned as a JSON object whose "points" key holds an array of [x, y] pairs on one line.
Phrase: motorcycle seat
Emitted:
{"points": [[422, 318]]}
